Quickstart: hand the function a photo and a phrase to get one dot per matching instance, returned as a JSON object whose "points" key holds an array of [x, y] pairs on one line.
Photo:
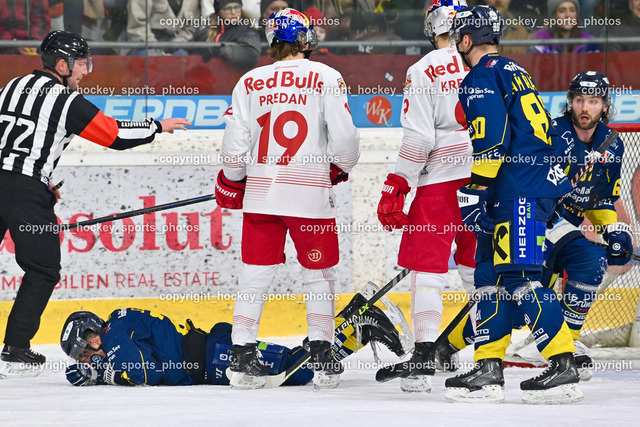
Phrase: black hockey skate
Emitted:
{"points": [[487, 376], [583, 361], [20, 362], [22, 355], [420, 379], [247, 371], [447, 358], [562, 372], [326, 370]]}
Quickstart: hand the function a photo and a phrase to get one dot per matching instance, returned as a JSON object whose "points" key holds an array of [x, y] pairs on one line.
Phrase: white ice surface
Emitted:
{"points": [[612, 398]]}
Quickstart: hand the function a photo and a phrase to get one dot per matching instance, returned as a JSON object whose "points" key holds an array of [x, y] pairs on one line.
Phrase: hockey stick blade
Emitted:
{"points": [[406, 368], [277, 380], [143, 211]]}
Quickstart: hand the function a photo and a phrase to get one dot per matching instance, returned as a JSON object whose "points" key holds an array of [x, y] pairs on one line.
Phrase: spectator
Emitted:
{"points": [[72, 13], [147, 21], [528, 9], [630, 28], [512, 29], [369, 22], [116, 15], [338, 12], [24, 20], [615, 8], [564, 24], [267, 7], [589, 8], [229, 23], [321, 26], [405, 17]]}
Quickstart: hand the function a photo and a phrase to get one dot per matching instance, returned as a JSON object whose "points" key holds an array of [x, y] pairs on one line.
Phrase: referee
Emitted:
{"points": [[39, 115]]}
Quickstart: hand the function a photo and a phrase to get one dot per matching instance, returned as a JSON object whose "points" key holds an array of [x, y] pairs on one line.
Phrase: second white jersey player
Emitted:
{"points": [[434, 159], [437, 149]]}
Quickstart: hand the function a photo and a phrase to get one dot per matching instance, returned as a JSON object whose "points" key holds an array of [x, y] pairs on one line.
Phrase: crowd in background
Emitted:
{"points": [[242, 22]]}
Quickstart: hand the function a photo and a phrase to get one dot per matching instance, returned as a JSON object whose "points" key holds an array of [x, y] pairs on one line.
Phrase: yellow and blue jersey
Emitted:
{"points": [[511, 133], [145, 348], [599, 188]]}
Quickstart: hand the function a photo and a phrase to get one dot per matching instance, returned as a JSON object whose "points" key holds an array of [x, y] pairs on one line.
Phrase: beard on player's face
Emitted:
{"points": [[587, 110]]}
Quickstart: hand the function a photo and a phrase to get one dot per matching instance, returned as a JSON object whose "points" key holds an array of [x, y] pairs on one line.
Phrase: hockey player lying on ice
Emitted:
{"points": [[141, 347]]}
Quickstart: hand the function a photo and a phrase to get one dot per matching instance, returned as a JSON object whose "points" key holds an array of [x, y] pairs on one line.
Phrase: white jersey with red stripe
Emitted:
{"points": [[435, 144], [287, 123]]}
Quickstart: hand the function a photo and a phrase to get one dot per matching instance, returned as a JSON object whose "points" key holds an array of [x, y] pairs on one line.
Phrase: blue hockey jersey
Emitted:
{"points": [[145, 347], [510, 131], [596, 193]]}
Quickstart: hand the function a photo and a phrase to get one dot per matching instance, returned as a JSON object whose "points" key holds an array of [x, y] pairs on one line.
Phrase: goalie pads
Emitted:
{"points": [[373, 325]]}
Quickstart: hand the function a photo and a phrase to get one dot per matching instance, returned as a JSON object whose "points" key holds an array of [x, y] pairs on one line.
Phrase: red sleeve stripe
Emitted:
{"points": [[102, 130]]}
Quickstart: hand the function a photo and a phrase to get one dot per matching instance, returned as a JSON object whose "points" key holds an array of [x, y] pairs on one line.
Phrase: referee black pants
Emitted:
{"points": [[26, 210]]}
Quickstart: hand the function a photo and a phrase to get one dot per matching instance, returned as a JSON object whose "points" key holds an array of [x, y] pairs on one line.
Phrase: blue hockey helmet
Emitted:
{"points": [[289, 25], [591, 83], [439, 17], [482, 23], [72, 339], [595, 84], [66, 45]]}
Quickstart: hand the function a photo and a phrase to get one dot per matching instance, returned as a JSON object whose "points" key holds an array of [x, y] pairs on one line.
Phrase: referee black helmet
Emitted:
{"points": [[65, 45]]}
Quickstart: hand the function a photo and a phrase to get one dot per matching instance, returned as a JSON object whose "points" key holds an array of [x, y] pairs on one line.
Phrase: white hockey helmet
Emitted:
{"points": [[439, 17]]}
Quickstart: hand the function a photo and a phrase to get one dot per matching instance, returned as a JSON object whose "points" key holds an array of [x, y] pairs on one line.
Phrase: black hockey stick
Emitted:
{"points": [[593, 158], [406, 368], [137, 212], [277, 380]]}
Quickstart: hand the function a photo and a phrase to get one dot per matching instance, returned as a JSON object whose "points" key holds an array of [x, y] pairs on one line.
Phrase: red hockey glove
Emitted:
{"points": [[390, 212], [229, 194], [337, 175]]}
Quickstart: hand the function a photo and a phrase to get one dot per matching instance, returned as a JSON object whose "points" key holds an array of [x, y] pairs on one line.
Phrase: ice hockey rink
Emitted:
{"points": [[611, 397]]}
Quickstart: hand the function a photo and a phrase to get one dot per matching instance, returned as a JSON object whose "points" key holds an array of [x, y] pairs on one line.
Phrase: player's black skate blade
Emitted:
{"points": [[561, 374], [247, 371], [487, 376]]}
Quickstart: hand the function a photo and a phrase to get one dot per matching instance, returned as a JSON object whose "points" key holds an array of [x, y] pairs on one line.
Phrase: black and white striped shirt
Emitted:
{"points": [[39, 116]]}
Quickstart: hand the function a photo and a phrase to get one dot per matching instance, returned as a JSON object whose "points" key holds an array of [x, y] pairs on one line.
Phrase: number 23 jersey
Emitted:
{"points": [[287, 123], [511, 133]]}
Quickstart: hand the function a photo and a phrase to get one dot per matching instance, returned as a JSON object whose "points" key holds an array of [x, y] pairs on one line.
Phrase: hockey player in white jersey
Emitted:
{"points": [[289, 139], [434, 157]]}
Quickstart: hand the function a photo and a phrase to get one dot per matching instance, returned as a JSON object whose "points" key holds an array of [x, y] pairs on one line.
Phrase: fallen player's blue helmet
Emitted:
{"points": [[72, 339]]}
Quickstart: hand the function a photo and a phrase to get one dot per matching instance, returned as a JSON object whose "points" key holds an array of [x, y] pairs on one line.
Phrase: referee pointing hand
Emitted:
{"points": [[39, 115]]}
